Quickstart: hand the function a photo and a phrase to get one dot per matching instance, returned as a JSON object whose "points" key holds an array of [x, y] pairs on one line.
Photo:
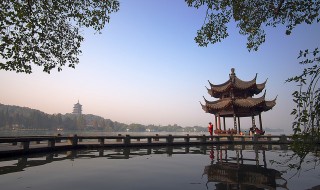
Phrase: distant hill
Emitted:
{"points": [[24, 118]]}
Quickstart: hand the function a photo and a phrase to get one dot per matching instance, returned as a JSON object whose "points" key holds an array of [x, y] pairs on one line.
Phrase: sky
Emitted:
{"points": [[146, 68]]}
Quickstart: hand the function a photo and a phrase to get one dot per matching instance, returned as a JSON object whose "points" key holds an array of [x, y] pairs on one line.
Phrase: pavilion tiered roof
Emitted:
{"points": [[235, 99]]}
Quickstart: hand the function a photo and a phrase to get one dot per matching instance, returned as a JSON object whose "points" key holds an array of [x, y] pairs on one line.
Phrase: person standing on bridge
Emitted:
{"points": [[210, 128]]}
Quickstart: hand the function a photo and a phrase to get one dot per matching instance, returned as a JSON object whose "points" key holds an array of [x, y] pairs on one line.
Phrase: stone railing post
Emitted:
{"points": [[73, 140], [255, 138], [58, 140], [169, 139], [283, 139], [25, 145], [156, 139], [119, 140], [231, 137], [101, 141], [51, 143], [149, 140], [268, 138], [187, 139], [203, 139], [127, 140]]}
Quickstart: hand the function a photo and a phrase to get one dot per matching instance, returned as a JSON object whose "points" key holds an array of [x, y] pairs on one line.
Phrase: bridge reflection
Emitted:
{"points": [[226, 171]]}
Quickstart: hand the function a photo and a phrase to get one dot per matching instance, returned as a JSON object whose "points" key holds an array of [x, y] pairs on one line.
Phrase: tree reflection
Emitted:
{"points": [[303, 157]]}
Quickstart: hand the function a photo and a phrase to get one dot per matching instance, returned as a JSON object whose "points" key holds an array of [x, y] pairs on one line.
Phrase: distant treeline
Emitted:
{"points": [[23, 118]]}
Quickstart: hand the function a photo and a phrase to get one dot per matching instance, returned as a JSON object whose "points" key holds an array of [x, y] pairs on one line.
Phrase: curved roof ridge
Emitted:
{"points": [[219, 104], [261, 86], [250, 101], [219, 85], [204, 107], [217, 101], [206, 100], [209, 91], [241, 84], [270, 104]]}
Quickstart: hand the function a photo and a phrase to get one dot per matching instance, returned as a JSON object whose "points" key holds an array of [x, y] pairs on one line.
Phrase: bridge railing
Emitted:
{"points": [[55, 142]]}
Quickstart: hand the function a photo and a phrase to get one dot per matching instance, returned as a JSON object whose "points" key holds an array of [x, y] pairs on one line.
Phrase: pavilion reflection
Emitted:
{"points": [[227, 172]]}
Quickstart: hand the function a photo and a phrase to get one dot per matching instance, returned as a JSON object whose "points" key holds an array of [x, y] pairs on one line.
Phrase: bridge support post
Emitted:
{"points": [[101, 153], [51, 143], [187, 139], [156, 139], [203, 139], [186, 149], [255, 138], [169, 139], [127, 140], [119, 140], [101, 141], [283, 139], [231, 138], [25, 145], [73, 140]]}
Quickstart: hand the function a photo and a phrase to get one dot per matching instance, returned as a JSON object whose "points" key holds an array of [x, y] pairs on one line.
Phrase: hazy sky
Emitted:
{"points": [[146, 68]]}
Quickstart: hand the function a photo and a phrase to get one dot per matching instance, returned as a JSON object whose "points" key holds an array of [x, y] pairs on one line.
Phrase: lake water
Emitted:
{"points": [[202, 167]]}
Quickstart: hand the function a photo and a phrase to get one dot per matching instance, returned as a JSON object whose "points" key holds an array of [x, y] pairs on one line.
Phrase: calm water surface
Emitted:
{"points": [[205, 167]]}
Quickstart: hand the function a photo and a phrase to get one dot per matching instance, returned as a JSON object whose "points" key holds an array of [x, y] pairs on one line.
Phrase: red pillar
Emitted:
{"points": [[253, 121], [215, 121], [260, 121], [238, 125], [234, 122], [219, 122]]}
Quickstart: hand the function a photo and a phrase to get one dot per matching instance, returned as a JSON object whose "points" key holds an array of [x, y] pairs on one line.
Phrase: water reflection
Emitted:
{"points": [[232, 173], [201, 167], [125, 153]]}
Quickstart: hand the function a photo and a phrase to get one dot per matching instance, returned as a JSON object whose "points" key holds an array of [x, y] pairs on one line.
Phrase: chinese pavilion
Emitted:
{"points": [[235, 99]]}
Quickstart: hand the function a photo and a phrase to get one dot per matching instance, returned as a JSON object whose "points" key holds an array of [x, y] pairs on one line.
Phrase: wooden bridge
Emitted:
{"points": [[14, 146]]}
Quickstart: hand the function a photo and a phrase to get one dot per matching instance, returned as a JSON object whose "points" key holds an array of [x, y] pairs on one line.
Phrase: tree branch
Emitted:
{"points": [[279, 7], [29, 5]]}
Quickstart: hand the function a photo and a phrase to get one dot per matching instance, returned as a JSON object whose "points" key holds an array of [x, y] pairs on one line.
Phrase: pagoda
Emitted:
{"points": [[235, 100], [77, 109]]}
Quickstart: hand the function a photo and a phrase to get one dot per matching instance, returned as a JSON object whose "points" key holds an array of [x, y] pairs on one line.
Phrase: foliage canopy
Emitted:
{"points": [[46, 33], [251, 16], [307, 97]]}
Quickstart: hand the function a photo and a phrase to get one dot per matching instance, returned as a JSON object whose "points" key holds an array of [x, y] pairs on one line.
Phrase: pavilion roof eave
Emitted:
{"points": [[238, 84], [204, 107], [249, 106]]}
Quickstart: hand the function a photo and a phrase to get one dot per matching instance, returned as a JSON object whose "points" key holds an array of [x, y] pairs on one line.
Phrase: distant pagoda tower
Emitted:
{"points": [[235, 100], [77, 108]]}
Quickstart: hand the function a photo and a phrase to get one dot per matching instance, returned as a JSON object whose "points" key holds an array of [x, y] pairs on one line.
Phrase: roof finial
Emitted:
{"points": [[232, 75]]}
